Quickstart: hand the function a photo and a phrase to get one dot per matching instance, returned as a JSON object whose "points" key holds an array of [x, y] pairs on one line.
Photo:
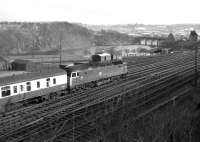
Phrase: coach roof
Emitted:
{"points": [[17, 78]]}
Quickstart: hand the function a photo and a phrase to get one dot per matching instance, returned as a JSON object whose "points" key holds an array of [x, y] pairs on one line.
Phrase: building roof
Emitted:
{"points": [[89, 66], [103, 54], [21, 61], [78, 67], [10, 73], [17, 78], [152, 37]]}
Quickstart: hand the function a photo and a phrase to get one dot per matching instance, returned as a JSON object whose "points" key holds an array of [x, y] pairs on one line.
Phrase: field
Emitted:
{"points": [[72, 55], [66, 56]]}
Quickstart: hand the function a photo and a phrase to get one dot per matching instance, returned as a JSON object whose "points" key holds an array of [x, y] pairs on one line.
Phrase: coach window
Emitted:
{"points": [[48, 82], [22, 88], [38, 84], [54, 81], [15, 89], [28, 86], [73, 74], [5, 91]]}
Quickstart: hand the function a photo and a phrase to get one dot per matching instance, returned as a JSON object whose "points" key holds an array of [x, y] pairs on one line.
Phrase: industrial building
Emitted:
{"points": [[30, 66]]}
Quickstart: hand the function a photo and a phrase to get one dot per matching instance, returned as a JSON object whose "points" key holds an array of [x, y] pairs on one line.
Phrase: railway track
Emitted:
{"points": [[18, 108], [154, 100], [135, 71], [51, 109], [142, 72], [132, 68]]}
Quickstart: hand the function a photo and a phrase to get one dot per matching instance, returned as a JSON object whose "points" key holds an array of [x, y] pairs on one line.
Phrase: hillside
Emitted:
{"points": [[179, 30], [45, 38], [109, 37], [18, 38]]}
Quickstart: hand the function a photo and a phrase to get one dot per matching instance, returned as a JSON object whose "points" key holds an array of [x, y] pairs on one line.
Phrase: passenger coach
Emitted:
{"points": [[21, 87]]}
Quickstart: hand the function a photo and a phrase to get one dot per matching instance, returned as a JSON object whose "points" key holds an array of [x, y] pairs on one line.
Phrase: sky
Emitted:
{"points": [[105, 12]]}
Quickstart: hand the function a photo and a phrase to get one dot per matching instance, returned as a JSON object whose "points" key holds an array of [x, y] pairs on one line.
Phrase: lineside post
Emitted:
{"points": [[196, 66], [193, 40]]}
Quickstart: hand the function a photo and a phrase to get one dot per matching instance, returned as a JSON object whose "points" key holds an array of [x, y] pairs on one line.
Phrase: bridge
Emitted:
{"points": [[90, 115]]}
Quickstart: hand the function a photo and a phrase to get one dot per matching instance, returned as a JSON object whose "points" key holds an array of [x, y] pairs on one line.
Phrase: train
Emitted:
{"points": [[102, 68]]}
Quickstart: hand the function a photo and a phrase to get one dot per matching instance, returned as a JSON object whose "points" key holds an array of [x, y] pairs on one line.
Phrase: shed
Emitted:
{"points": [[20, 65], [30, 66], [101, 57]]}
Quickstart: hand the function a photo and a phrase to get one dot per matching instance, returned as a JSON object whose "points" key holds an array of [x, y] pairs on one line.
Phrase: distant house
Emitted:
{"points": [[134, 50], [4, 65], [102, 57], [151, 41]]}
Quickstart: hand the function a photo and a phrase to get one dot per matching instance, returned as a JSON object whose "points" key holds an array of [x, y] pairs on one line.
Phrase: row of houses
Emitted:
{"points": [[151, 41]]}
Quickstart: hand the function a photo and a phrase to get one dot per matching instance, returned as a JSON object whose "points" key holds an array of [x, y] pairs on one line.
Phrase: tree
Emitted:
{"points": [[193, 36], [192, 40], [171, 38], [111, 50], [170, 42]]}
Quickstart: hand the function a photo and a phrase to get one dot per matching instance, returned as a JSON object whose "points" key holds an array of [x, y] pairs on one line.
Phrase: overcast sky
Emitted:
{"points": [[102, 11]]}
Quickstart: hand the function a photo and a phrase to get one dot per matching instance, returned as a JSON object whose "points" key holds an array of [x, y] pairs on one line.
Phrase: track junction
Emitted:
{"points": [[151, 83]]}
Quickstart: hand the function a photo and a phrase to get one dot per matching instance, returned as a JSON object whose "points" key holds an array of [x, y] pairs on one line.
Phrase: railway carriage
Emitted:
{"points": [[25, 86]]}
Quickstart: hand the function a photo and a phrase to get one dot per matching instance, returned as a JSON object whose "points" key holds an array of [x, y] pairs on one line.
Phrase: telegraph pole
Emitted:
{"points": [[196, 66], [193, 38], [60, 48]]}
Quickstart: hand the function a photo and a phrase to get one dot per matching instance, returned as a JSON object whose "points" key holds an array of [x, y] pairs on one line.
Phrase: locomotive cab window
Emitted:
{"points": [[73, 74], [78, 73], [5, 91]]}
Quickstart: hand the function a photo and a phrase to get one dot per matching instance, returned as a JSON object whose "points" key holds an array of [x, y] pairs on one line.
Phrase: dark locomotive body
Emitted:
{"points": [[102, 68], [95, 74]]}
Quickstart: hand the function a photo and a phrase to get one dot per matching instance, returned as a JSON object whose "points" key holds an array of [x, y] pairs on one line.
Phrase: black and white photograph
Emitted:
{"points": [[99, 71]]}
